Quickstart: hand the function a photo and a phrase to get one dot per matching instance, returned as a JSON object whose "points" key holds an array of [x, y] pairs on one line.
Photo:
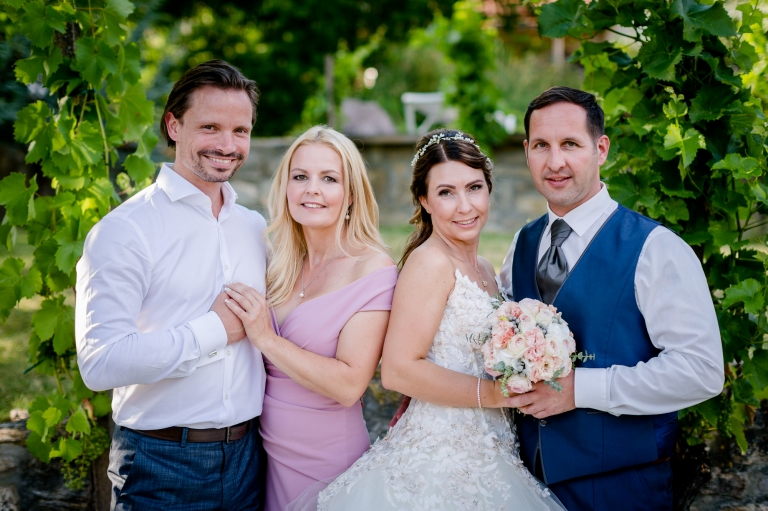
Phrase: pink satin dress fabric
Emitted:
{"points": [[309, 437]]}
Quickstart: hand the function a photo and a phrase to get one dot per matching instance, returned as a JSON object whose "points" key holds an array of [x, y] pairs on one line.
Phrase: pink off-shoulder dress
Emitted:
{"points": [[309, 437]]}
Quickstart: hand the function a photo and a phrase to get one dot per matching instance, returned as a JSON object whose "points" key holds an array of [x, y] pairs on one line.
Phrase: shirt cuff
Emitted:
{"points": [[211, 336], [590, 388]]}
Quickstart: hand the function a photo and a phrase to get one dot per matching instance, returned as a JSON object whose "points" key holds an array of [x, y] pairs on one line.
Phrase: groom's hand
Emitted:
{"points": [[544, 401]]}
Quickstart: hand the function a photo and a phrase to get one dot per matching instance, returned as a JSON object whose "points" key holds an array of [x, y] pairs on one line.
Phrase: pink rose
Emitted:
{"points": [[519, 384], [546, 368], [501, 333]]}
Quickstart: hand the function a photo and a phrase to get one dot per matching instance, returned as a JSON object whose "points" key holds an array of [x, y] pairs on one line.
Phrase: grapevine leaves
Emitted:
{"points": [[98, 106], [690, 129]]}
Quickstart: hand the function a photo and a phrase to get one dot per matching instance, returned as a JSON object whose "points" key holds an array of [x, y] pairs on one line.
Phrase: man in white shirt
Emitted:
{"points": [[635, 296], [151, 322]]}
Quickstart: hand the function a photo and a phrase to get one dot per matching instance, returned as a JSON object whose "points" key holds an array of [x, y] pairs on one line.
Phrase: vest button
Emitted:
{"points": [[543, 422]]}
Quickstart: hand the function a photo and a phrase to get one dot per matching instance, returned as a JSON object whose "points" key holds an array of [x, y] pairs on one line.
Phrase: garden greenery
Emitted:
{"points": [[98, 111], [683, 86]]}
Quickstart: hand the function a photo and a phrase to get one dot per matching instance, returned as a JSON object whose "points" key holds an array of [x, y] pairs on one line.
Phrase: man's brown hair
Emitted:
{"points": [[214, 73]]}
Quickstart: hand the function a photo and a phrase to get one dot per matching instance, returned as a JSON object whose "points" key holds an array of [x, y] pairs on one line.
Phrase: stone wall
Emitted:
{"points": [[514, 199]]}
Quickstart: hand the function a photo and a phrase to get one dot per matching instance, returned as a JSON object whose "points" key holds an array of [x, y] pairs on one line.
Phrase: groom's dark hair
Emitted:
{"points": [[587, 101], [214, 73]]}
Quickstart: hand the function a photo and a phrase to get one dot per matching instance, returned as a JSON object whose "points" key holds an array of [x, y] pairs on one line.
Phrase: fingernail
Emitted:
{"points": [[227, 289]]}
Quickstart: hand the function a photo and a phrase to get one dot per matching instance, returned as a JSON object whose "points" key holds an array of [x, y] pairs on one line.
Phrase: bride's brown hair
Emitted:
{"points": [[451, 145]]}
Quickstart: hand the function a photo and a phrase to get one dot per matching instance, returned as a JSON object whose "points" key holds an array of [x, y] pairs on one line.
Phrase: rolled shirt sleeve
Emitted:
{"points": [[114, 275], [672, 294]]}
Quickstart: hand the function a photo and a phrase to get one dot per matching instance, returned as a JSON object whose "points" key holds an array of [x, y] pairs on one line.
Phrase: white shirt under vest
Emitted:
{"points": [[149, 273], [672, 294]]}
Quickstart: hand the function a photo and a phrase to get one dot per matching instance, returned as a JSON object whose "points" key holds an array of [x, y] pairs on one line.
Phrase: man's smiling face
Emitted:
{"points": [[213, 136], [563, 156]]}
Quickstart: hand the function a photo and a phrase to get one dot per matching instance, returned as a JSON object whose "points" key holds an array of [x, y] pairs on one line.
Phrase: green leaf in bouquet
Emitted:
{"points": [[41, 22], [17, 198], [749, 292], [701, 19], [78, 422]]}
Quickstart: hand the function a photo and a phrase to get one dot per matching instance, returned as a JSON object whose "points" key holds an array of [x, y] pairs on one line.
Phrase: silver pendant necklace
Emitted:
{"points": [[303, 287]]}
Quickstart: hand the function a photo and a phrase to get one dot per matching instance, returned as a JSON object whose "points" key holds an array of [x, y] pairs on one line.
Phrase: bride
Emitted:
{"points": [[454, 447]]}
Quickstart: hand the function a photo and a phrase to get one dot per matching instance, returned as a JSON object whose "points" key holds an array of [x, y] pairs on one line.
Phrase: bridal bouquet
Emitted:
{"points": [[528, 342]]}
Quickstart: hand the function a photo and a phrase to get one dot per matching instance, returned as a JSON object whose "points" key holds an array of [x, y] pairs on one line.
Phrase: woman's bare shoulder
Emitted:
{"points": [[370, 260]]}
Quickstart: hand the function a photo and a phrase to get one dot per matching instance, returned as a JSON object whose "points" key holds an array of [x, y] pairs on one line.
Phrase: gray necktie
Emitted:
{"points": [[553, 267]]}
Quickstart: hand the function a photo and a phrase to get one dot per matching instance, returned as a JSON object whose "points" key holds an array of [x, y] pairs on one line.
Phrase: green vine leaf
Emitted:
{"points": [[661, 54], [57, 320], [751, 16], [38, 63], [757, 368], [113, 21], [17, 198], [15, 284], [40, 23], [742, 167], [702, 19], [67, 448], [748, 293], [78, 422], [558, 18], [95, 58], [711, 102], [685, 146]]}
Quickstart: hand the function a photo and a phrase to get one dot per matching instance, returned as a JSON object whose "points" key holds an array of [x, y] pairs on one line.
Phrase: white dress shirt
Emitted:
{"points": [[672, 294], [149, 273]]}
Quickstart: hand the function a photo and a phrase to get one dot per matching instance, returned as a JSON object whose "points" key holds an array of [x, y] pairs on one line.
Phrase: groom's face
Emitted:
{"points": [[563, 156]]}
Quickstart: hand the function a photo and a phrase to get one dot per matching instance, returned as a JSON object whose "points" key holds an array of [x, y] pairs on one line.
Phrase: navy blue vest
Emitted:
{"points": [[598, 302]]}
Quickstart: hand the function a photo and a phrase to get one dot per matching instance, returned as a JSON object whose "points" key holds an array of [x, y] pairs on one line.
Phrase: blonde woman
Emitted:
{"points": [[330, 283]]}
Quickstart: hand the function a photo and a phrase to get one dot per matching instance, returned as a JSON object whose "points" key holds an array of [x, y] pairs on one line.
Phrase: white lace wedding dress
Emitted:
{"points": [[440, 457]]}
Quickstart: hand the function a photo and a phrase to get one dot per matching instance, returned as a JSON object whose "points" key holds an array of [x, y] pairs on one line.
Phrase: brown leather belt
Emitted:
{"points": [[175, 433]]}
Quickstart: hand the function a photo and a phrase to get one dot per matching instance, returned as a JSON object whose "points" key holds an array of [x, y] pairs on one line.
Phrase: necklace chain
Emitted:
{"points": [[303, 287], [485, 282]]}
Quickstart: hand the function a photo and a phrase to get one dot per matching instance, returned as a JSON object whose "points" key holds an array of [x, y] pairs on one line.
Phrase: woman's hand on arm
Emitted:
{"points": [[343, 378]]}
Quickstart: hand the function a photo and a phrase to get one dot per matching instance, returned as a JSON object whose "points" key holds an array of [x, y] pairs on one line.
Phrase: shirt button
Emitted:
{"points": [[226, 396], [226, 266], [229, 352]]}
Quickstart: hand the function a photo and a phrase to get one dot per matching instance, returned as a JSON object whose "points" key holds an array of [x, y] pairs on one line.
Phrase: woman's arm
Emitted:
{"points": [[422, 291], [343, 378]]}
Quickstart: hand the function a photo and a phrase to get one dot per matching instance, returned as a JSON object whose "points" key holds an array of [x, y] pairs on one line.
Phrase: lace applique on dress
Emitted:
{"points": [[440, 457]]}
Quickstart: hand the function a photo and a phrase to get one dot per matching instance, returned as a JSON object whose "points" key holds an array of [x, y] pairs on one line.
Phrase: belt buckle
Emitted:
{"points": [[229, 431]]}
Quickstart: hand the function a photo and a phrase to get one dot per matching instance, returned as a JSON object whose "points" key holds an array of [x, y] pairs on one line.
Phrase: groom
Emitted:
{"points": [[634, 295], [151, 322]]}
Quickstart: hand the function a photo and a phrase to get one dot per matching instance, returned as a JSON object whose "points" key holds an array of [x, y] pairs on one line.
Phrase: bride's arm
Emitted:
{"points": [[343, 378], [422, 291]]}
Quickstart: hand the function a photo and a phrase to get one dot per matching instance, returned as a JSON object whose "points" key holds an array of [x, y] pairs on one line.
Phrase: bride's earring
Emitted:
{"points": [[347, 216]]}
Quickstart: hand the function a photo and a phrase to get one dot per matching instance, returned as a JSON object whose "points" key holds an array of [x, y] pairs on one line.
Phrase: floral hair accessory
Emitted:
{"points": [[436, 140]]}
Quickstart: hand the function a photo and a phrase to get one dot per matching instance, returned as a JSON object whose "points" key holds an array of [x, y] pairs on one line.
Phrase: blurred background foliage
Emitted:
{"points": [[483, 55]]}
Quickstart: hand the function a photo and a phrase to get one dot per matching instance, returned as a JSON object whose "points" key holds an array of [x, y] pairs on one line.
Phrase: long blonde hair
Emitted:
{"points": [[285, 237]]}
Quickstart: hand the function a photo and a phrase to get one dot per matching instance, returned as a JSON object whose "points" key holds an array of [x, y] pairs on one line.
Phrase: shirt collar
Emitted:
{"points": [[580, 219], [178, 188]]}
